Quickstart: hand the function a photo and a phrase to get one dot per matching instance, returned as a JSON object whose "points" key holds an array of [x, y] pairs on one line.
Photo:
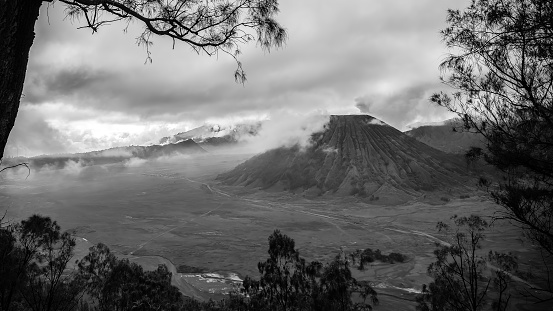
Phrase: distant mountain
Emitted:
{"points": [[447, 136], [215, 134], [115, 155], [355, 155]]}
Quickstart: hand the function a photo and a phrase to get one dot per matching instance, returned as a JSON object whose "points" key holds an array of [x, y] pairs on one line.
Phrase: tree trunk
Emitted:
{"points": [[17, 23]]}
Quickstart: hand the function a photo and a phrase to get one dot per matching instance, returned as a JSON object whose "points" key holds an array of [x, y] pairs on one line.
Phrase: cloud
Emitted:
{"points": [[330, 150], [284, 128], [54, 128], [336, 52], [70, 168], [33, 135], [364, 103], [115, 153], [47, 84], [377, 122], [166, 159], [54, 173], [134, 162], [403, 106]]}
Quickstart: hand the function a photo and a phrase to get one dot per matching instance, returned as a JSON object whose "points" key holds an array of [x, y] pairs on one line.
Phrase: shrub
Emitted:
{"points": [[396, 257]]}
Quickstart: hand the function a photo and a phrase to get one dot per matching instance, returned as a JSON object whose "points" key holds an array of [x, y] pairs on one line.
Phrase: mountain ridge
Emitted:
{"points": [[214, 134], [112, 155]]}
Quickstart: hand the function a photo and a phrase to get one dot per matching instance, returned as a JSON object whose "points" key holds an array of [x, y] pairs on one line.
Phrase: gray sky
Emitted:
{"points": [[85, 92]]}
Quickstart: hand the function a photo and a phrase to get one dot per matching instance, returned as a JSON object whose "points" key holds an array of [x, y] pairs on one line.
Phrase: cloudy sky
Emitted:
{"points": [[94, 91]]}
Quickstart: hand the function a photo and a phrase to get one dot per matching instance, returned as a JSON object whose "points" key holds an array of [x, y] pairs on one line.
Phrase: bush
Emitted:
{"points": [[190, 269], [396, 257], [367, 255]]}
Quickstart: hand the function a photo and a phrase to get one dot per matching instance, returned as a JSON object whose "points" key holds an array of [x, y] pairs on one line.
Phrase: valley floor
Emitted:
{"points": [[172, 211]]}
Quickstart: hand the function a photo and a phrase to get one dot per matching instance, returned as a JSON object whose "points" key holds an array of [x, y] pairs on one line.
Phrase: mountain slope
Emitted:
{"points": [[354, 155], [447, 136]]}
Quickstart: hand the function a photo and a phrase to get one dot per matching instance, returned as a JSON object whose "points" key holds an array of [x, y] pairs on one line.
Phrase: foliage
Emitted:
{"points": [[289, 282], [190, 269], [338, 288], [464, 277], [33, 258], [117, 284], [362, 257], [502, 71]]}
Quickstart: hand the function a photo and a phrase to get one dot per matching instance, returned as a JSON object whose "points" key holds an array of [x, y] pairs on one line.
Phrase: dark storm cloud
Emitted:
{"points": [[44, 84], [113, 91], [72, 80]]}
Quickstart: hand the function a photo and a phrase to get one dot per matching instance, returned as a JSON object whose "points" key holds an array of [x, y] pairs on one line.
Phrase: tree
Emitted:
{"points": [[289, 282], [465, 279], [33, 260], [208, 26], [11, 267], [338, 288], [117, 284], [47, 286], [502, 71], [95, 269]]}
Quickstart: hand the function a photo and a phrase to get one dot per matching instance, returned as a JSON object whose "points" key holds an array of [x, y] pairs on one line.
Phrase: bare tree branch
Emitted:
{"points": [[206, 26]]}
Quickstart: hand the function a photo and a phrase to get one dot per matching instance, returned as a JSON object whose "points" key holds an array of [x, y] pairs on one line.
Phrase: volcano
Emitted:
{"points": [[354, 155]]}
